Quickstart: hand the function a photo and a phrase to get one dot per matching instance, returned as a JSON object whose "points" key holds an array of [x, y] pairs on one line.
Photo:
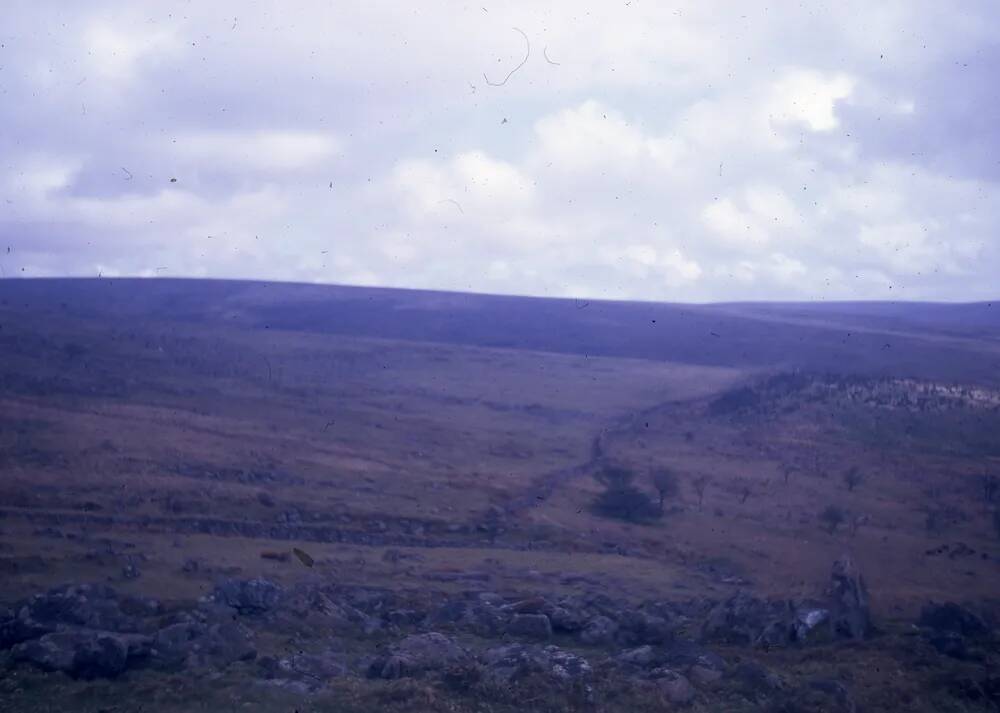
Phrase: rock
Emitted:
{"points": [[705, 676], [810, 623], [949, 643], [674, 687], [951, 617], [640, 657], [80, 653], [600, 631], [850, 612], [265, 499], [746, 620], [530, 626], [248, 596], [190, 566], [639, 627], [702, 666], [565, 619], [85, 605], [418, 653], [172, 644], [16, 629], [755, 681], [404, 617], [828, 695], [535, 605], [477, 617], [507, 664], [196, 643], [303, 672]]}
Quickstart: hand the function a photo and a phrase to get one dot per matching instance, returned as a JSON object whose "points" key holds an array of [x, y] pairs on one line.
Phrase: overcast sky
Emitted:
{"points": [[686, 151]]}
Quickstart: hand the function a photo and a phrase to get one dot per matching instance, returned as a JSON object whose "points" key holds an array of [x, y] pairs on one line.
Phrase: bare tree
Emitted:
{"points": [[665, 482], [990, 485], [853, 478], [700, 484]]}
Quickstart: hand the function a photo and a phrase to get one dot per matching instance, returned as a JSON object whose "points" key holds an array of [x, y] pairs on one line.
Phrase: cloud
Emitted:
{"points": [[644, 151], [262, 150]]}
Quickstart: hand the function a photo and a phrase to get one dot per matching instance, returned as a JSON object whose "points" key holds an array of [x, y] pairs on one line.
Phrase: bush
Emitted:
{"points": [[626, 503]]}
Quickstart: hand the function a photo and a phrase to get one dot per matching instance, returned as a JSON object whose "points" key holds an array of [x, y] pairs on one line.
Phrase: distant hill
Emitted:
{"points": [[923, 340]]}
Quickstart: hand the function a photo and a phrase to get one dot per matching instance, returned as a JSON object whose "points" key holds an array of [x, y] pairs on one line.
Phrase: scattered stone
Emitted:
{"points": [[530, 626], [674, 687], [417, 654], [80, 654], [600, 631], [954, 618], [249, 596], [640, 657], [507, 664]]}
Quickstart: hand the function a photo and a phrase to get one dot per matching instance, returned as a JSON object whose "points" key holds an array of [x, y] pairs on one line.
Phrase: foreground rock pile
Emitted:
{"points": [[476, 642]]}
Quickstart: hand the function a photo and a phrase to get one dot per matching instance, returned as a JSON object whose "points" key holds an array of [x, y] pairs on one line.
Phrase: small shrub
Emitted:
{"points": [[626, 503]]}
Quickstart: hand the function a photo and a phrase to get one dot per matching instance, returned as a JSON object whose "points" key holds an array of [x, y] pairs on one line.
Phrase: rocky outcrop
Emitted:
{"points": [[80, 654], [530, 626], [844, 612], [418, 654], [505, 665], [954, 630], [248, 596]]}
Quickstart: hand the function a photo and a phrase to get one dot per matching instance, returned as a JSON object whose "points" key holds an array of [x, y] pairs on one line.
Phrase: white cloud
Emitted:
{"points": [[258, 150], [115, 53], [680, 151], [809, 98]]}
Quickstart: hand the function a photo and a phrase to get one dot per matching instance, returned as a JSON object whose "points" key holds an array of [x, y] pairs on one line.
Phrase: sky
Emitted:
{"points": [[688, 151]]}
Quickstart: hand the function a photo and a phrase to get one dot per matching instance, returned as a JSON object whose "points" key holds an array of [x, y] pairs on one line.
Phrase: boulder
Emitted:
{"points": [[80, 654], [639, 627], [849, 608], [476, 616], [302, 671], [16, 629], [248, 596], [530, 626], [746, 620], [506, 664], [566, 619], [201, 644], [755, 681], [674, 687], [811, 623], [90, 606], [600, 631], [417, 654], [639, 657], [953, 618]]}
